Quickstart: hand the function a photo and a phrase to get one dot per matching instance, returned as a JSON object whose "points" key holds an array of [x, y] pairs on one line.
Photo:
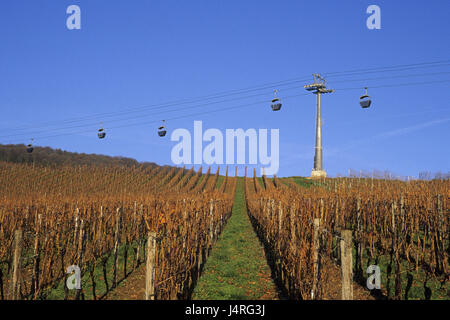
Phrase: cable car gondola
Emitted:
{"points": [[30, 147], [276, 103], [162, 130], [101, 133], [364, 100]]}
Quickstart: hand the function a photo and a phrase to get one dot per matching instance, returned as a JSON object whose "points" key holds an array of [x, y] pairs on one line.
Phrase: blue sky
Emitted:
{"points": [[131, 54]]}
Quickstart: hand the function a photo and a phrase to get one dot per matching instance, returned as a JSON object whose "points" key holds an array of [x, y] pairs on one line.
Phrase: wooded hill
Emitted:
{"points": [[17, 153]]}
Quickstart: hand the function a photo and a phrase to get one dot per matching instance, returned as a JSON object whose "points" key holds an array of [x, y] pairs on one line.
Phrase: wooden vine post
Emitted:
{"points": [[81, 247], [139, 230], [185, 227], [135, 230], [75, 231], [346, 264], [398, 283], [211, 224], [337, 225], [292, 227], [150, 267], [184, 236], [442, 226], [35, 280], [359, 248], [17, 264], [316, 260], [116, 247], [279, 253]]}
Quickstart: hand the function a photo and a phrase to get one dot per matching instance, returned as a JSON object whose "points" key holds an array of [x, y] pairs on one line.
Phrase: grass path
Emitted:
{"points": [[237, 267]]}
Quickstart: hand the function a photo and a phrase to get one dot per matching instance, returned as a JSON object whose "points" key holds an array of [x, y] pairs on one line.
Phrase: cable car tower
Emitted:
{"points": [[318, 87]]}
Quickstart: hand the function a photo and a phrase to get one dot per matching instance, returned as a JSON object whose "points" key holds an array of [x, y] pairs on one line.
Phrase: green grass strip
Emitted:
{"points": [[237, 267]]}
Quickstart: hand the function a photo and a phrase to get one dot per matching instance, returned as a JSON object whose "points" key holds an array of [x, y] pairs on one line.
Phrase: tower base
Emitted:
{"points": [[318, 174]]}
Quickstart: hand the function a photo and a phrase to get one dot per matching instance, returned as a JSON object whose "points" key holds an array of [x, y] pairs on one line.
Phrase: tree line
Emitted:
{"points": [[17, 153]]}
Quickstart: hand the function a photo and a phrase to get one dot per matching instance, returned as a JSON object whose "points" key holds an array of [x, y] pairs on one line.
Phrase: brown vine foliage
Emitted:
{"points": [[408, 220], [69, 215]]}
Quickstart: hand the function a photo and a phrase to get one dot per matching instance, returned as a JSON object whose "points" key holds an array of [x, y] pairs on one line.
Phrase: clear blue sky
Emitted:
{"points": [[140, 53]]}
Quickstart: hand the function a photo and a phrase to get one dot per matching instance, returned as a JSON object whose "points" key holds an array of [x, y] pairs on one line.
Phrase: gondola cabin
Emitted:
{"points": [[101, 133], [276, 103], [364, 100], [162, 131]]}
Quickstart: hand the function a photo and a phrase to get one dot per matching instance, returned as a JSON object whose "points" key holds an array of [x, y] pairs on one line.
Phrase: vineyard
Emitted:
{"points": [[111, 221], [99, 219], [402, 226]]}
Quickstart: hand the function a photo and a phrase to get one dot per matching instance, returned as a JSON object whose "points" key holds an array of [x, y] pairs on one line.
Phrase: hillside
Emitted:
{"points": [[16, 153]]}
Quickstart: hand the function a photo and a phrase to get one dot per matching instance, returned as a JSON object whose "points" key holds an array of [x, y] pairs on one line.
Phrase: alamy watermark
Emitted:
{"points": [[74, 20], [374, 20], [218, 151], [74, 280], [374, 280]]}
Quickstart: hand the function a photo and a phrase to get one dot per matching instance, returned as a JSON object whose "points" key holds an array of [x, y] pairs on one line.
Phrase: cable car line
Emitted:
{"points": [[392, 77], [236, 107], [396, 85], [240, 91], [141, 109], [156, 106], [102, 133], [174, 118], [218, 102], [368, 70], [247, 104], [371, 72], [142, 116]]}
